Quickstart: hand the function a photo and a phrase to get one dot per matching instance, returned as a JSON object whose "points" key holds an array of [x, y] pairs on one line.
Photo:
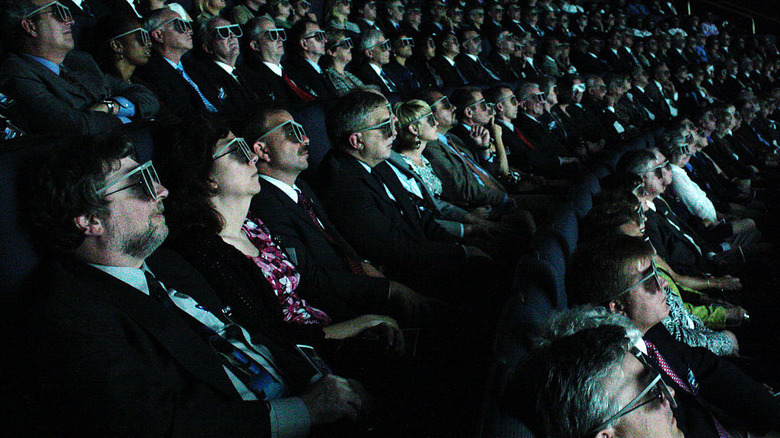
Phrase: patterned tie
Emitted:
{"points": [[482, 175], [308, 207], [664, 365], [209, 107], [68, 76]]}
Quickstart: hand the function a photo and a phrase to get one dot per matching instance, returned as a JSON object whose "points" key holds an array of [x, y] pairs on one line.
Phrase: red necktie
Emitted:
{"points": [[300, 92], [524, 139]]}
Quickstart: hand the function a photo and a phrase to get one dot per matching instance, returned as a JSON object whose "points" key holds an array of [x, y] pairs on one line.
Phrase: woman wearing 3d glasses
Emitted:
{"points": [[338, 55], [208, 215], [124, 45]]}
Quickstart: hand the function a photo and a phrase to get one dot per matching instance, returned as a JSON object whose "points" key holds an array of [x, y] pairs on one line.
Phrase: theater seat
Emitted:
{"points": [[312, 118]]}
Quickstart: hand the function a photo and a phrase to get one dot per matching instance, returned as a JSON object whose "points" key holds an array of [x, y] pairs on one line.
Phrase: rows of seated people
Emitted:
{"points": [[482, 239]]}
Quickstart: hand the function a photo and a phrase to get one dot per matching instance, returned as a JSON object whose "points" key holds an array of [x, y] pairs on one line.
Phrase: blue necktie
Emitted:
{"points": [[211, 108]]}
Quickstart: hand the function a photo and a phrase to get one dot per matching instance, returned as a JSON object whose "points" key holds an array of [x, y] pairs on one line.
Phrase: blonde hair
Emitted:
{"points": [[409, 113]]}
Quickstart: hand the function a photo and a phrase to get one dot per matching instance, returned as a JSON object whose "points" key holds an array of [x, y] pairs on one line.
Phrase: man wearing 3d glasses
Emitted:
{"points": [[376, 48], [57, 89], [168, 72], [713, 396], [217, 76], [308, 46], [118, 339]]}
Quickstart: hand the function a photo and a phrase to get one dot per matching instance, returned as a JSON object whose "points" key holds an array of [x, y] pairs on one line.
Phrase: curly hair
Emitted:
{"points": [[66, 187], [185, 165]]}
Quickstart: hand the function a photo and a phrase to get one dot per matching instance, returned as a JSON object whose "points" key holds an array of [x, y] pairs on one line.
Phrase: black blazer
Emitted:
{"points": [[472, 70], [333, 286], [179, 100], [741, 401], [403, 77], [267, 85], [306, 77], [502, 67], [117, 362], [543, 158], [370, 77], [392, 234], [232, 97], [672, 245], [449, 73]]}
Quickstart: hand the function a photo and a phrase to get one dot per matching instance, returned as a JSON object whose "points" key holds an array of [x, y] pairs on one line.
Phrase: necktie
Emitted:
{"points": [[308, 207], [209, 107], [482, 175], [66, 74], [487, 70], [654, 354], [300, 92], [251, 373], [390, 85], [524, 139]]}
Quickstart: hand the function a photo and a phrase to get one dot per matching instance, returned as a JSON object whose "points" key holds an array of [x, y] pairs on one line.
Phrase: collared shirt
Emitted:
{"points": [[291, 191], [451, 61], [315, 66], [387, 190], [379, 73], [276, 68], [227, 67], [289, 416]]}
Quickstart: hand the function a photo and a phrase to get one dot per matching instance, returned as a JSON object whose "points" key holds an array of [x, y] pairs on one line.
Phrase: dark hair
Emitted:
{"points": [[462, 98], [104, 32], [635, 161], [65, 187], [349, 115], [297, 31], [602, 268], [185, 165], [611, 209], [11, 14], [257, 122]]}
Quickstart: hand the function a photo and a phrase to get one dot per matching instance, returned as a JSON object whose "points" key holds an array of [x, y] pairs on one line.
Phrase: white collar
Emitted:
{"points": [[314, 65], [283, 186], [473, 57], [134, 277], [276, 68], [227, 67]]}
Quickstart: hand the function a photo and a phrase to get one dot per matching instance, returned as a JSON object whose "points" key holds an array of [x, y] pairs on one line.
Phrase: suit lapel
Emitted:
{"points": [[169, 327]]}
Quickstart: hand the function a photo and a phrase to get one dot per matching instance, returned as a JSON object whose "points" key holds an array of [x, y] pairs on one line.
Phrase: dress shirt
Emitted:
{"points": [[694, 198], [276, 68], [289, 416], [382, 76], [291, 191], [387, 190], [126, 108], [227, 67], [315, 66]]}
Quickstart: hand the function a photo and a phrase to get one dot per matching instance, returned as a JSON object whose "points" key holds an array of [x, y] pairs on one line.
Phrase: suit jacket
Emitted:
{"points": [[333, 286], [267, 85], [306, 77], [459, 183], [393, 234], [179, 100], [369, 76], [471, 69], [231, 95], [449, 73], [120, 363], [543, 157], [502, 67], [745, 403], [46, 102], [588, 63], [403, 78], [671, 244]]}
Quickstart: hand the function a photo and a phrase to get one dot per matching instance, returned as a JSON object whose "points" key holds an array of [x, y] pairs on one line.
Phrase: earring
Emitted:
{"points": [[417, 143]]}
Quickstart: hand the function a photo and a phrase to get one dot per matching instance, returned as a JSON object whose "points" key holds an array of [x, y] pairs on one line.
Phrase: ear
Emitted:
{"points": [[608, 433], [468, 112], [29, 27], [157, 36], [262, 151], [89, 225], [356, 141], [413, 129], [617, 307], [212, 184], [254, 45], [206, 48], [116, 46]]}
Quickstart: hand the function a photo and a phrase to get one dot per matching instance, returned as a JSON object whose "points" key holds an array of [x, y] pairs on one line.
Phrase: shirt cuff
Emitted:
{"points": [[289, 418], [126, 108]]}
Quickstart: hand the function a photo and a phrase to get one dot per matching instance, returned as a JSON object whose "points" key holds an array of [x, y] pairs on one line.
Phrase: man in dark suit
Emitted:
{"points": [[294, 214], [500, 57], [308, 46], [56, 89], [447, 49], [365, 11], [216, 73], [376, 49], [262, 66], [617, 272], [138, 345], [373, 211], [468, 61], [168, 71], [391, 17]]}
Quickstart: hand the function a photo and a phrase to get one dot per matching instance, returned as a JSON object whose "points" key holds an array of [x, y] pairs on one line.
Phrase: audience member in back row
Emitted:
{"points": [[712, 395], [136, 356], [56, 89], [123, 46]]}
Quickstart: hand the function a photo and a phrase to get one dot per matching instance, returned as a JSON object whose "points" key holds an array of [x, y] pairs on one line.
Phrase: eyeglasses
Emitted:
{"points": [[346, 43], [386, 127], [444, 101], [641, 213], [511, 98], [148, 181], [578, 87], [383, 46], [304, 4], [294, 131], [407, 42], [225, 32], [475, 38], [275, 35], [429, 119], [480, 104], [319, 35], [179, 25], [457, 12], [60, 12], [346, 2], [238, 147], [655, 391], [491, 108], [651, 281], [639, 191], [538, 97], [142, 37], [658, 170]]}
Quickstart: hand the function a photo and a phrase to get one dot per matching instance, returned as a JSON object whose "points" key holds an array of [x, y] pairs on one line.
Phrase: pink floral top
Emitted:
{"points": [[282, 275]]}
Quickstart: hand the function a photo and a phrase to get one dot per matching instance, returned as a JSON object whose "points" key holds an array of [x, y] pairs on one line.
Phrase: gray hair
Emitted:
{"points": [[252, 27], [524, 90], [370, 39], [563, 389], [11, 14], [637, 161], [567, 322], [206, 34], [349, 115], [155, 19]]}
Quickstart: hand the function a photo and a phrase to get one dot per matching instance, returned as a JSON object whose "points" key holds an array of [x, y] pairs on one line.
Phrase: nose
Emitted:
{"points": [[161, 191]]}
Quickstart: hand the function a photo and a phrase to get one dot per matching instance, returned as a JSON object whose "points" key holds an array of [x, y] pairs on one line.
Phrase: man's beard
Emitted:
{"points": [[142, 245]]}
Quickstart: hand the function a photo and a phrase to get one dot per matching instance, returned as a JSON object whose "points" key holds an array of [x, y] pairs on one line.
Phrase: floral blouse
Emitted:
{"points": [[431, 181], [282, 275]]}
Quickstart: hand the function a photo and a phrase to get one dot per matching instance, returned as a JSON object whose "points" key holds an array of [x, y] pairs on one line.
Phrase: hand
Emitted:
{"points": [[727, 283], [495, 128], [413, 306], [481, 136], [371, 270], [103, 108], [332, 398], [735, 316], [385, 328], [482, 212]]}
